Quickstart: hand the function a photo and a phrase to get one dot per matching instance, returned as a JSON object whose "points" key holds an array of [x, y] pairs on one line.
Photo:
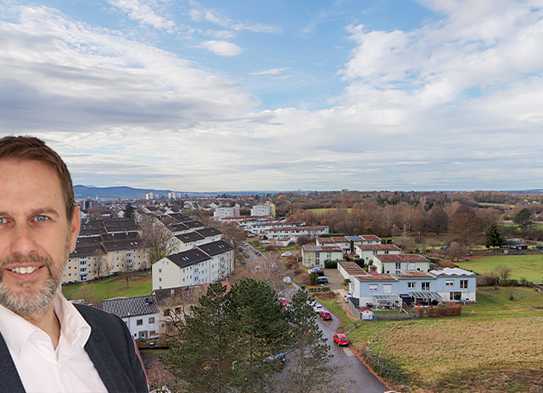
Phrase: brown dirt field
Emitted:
{"points": [[506, 350]]}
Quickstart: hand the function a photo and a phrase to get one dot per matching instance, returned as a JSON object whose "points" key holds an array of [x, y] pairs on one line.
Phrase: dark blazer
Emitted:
{"points": [[110, 347]]}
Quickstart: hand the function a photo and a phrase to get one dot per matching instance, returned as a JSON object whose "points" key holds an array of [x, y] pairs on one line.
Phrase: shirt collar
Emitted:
{"points": [[16, 330]]}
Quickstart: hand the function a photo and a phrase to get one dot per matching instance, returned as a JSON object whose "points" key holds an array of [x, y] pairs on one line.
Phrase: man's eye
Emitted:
{"points": [[3, 220], [41, 218]]}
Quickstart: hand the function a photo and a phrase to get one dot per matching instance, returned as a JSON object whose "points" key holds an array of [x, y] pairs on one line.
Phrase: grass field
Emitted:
{"points": [[529, 267], [321, 211], [96, 291], [495, 346]]}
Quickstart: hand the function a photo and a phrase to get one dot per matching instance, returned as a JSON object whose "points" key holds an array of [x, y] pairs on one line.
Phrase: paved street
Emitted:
{"points": [[348, 370]]}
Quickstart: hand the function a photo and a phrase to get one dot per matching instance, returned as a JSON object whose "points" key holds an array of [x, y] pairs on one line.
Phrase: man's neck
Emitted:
{"points": [[48, 322]]}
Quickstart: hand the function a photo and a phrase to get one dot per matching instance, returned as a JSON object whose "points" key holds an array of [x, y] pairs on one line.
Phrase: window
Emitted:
{"points": [[411, 284], [398, 266], [372, 287], [151, 319], [449, 283], [387, 288], [425, 286], [463, 284], [139, 322]]}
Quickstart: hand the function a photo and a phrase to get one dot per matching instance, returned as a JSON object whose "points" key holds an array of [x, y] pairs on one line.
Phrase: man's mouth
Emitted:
{"points": [[24, 269]]}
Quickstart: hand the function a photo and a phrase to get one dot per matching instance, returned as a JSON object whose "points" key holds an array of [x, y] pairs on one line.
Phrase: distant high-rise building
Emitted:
{"points": [[225, 212], [172, 195], [149, 196]]}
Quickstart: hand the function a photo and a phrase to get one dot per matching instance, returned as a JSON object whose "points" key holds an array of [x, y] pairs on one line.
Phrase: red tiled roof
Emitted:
{"points": [[379, 247], [352, 268], [370, 237], [402, 258]]}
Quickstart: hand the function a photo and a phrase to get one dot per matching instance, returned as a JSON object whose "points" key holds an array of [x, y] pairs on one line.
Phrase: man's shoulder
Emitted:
{"points": [[96, 317]]}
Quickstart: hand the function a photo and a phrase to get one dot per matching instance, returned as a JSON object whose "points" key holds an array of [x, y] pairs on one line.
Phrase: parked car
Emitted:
{"points": [[341, 339], [317, 307], [283, 301], [277, 360], [287, 254], [315, 270], [325, 315], [322, 280]]}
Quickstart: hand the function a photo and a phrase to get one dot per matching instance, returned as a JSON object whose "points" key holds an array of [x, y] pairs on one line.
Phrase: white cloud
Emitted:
{"points": [[430, 108], [202, 14], [142, 12], [83, 78], [221, 48], [270, 72]]}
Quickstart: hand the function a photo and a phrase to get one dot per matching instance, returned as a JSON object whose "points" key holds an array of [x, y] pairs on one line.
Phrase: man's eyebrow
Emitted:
{"points": [[44, 210]]}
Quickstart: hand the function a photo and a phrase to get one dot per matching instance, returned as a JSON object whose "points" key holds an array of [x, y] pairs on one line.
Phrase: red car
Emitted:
{"points": [[283, 301], [325, 315], [341, 339]]}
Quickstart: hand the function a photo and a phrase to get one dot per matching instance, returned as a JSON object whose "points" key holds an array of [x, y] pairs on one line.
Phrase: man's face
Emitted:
{"points": [[35, 235]]}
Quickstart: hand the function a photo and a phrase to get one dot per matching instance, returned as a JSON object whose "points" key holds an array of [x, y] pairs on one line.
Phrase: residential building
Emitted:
{"points": [[125, 255], [334, 241], [456, 284], [224, 212], [265, 210], [140, 314], [85, 263], [400, 263], [204, 264], [313, 255], [366, 252], [294, 232]]}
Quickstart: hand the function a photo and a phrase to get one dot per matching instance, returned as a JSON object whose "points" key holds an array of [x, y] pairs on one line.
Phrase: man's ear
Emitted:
{"points": [[75, 226]]}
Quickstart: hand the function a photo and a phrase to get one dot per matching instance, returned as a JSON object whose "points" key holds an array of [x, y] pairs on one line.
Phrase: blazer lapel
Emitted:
{"points": [[96, 347], [9, 377]]}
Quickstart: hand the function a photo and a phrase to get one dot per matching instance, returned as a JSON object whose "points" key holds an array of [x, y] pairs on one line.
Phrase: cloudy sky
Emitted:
{"points": [[208, 95]]}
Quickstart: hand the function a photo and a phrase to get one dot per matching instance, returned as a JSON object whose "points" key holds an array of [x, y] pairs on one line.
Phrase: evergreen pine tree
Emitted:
{"points": [[493, 237], [203, 354], [309, 369]]}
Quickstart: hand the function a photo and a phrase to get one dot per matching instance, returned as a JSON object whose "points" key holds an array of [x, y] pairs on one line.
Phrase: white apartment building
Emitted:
{"points": [[204, 264], [226, 212], [140, 314], [265, 210]]}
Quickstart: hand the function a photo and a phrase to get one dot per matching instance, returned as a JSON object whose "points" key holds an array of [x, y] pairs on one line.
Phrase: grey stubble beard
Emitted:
{"points": [[26, 304]]}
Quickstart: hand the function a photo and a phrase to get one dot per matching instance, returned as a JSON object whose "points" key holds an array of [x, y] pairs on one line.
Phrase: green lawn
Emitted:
{"points": [[95, 291], [529, 267]]}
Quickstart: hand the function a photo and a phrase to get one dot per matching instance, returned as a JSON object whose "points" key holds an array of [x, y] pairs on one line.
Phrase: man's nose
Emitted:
{"points": [[22, 241]]}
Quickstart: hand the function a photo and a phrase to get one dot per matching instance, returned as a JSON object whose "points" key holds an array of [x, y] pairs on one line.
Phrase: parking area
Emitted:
{"points": [[335, 280]]}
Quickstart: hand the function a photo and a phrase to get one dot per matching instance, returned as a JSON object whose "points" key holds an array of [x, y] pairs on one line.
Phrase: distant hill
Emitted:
{"points": [[124, 192], [536, 191]]}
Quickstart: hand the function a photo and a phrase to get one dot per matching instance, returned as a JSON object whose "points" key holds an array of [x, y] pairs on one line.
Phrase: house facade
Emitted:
{"points": [[204, 264], [140, 314], [397, 264], [313, 255], [366, 252]]}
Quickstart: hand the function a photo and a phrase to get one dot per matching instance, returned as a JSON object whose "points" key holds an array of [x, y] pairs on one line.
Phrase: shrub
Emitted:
{"points": [[330, 264]]}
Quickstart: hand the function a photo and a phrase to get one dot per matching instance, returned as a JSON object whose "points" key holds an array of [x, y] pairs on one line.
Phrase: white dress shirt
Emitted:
{"points": [[44, 369]]}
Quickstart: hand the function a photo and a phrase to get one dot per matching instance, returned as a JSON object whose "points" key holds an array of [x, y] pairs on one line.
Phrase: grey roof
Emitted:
{"points": [[179, 217], [178, 293], [216, 248], [130, 306], [120, 225], [178, 227], [193, 224], [190, 237], [120, 236], [189, 257], [93, 228], [448, 271], [117, 245], [87, 250], [208, 232]]}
